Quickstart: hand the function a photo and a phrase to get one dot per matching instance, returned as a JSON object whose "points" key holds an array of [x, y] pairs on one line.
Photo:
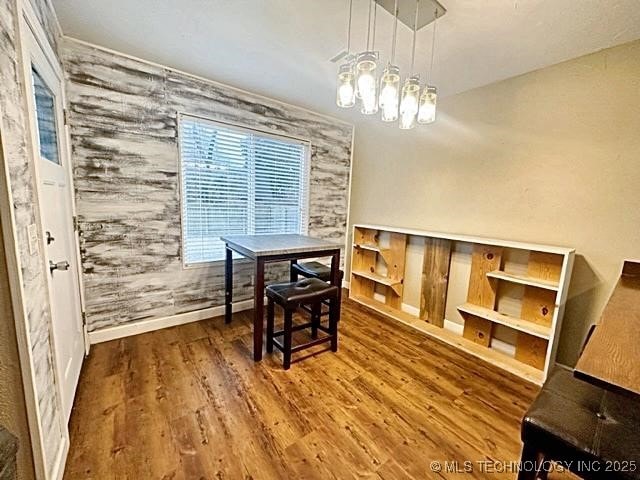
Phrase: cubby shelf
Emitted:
{"points": [[382, 280], [523, 280], [507, 320], [447, 259], [490, 355]]}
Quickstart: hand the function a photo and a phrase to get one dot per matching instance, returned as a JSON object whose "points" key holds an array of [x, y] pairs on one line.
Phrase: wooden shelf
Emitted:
{"points": [[519, 324], [524, 280], [489, 355], [384, 252], [389, 282]]}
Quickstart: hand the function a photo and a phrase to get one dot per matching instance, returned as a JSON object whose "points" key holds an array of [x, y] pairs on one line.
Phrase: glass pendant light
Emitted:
{"points": [[409, 104], [346, 94], [366, 66], [390, 80], [346, 91], [411, 89], [429, 98]]}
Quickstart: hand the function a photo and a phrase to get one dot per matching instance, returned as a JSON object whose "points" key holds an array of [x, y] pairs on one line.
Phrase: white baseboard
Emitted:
{"points": [[143, 326], [345, 284]]}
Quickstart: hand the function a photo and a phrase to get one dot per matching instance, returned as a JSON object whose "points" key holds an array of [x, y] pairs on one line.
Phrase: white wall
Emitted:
{"points": [[551, 157]]}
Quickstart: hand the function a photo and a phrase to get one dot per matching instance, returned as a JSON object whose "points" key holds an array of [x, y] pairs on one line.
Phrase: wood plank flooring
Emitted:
{"points": [[189, 403]]}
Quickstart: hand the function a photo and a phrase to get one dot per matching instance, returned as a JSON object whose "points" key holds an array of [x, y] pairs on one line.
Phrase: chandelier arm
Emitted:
{"points": [[349, 27], [375, 11], [395, 32], [433, 47], [369, 25], [415, 28]]}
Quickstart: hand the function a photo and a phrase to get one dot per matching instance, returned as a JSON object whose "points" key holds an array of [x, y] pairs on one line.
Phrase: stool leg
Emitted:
{"points": [[288, 325], [334, 316], [316, 309], [531, 464], [270, 322]]}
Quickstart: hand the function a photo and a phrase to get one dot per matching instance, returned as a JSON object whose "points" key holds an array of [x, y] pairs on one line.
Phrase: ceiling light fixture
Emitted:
{"points": [[366, 65], [346, 92], [357, 77], [390, 80], [411, 88], [427, 111]]}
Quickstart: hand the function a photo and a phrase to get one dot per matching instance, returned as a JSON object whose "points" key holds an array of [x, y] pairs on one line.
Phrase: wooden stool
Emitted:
{"points": [[315, 270], [310, 292]]}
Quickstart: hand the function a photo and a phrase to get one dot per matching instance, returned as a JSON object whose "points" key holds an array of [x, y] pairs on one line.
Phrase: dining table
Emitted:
{"points": [[611, 356], [268, 248]]}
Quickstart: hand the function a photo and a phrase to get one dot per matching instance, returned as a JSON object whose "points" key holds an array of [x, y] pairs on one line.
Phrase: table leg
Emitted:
{"points": [[335, 280], [258, 310], [293, 275], [228, 285]]}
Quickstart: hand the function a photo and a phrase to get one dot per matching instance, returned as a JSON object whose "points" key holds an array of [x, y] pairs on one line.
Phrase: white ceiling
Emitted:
{"points": [[280, 48]]}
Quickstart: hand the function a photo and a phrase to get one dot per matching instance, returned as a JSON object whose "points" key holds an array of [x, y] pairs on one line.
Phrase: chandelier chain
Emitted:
{"points": [[433, 47], [375, 12], [415, 28], [349, 27], [395, 31], [369, 25]]}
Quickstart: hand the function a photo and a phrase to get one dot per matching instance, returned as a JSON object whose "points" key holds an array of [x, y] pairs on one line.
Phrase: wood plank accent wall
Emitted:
{"points": [[435, 280], [17, 155], [123, 115]]}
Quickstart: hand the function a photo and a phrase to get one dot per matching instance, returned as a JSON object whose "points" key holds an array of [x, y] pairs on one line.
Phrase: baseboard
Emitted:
{"points": [[346, 284], [143, 326]]}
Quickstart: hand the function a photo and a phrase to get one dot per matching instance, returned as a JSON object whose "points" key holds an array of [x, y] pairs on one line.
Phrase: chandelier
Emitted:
{"points": [[358, 80]]}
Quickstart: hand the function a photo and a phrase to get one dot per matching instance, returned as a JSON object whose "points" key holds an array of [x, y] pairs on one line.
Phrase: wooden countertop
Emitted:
{"points": [[612, 355]]}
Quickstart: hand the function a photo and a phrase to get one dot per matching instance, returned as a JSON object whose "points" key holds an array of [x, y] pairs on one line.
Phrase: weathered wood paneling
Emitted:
{"points": [[17, 155], [123, 122]]}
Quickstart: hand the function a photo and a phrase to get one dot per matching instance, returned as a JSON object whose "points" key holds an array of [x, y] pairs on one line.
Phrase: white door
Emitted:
{"points": [[56, 208]]}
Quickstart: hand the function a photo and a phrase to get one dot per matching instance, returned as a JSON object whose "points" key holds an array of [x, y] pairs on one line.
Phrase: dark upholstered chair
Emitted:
{"points": [[589, 430], [309, 293]]}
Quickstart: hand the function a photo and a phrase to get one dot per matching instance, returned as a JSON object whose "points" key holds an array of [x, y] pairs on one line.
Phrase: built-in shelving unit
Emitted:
{"points": [[378, 282]]}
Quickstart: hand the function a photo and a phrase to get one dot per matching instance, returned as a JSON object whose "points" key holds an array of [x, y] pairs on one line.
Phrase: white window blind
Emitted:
{"points": [[238, 181]]}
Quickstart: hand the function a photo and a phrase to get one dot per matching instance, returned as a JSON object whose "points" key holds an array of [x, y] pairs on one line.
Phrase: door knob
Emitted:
{"points": [[50, 238], [64, 265]]}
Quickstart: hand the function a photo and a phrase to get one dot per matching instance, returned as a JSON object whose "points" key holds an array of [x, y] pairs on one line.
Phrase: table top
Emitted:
{"points": [[612, 355], [281, 244]]}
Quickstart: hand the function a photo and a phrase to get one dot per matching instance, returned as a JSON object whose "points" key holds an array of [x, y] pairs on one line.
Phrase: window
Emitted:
{"points": [[238, 181], [46, 118]]}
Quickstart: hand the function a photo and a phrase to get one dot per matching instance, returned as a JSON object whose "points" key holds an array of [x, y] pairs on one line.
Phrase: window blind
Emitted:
{"points": [[238, 181]]}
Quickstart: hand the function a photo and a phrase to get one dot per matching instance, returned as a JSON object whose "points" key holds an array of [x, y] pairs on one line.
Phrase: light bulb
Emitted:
{"points": [[366, 81], [428, 99], [390, 93], [409, 103], [346, 86]]}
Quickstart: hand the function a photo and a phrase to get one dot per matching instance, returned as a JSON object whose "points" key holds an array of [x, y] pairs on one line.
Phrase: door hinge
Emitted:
{"points": [[65, 116], [76, 227], [84, 318]]}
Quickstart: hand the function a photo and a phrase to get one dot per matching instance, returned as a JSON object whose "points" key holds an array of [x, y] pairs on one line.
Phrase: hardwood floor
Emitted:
{"points": [[189, 403]]}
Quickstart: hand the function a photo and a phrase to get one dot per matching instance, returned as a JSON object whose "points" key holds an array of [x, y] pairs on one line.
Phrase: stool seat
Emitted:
{"points": [[298, 293], [573, 420], [314, 270]]}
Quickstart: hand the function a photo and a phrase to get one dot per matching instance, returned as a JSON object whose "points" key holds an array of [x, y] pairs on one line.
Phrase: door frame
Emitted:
{"points": [[29, 20], [45, 60], [28, 23]]}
